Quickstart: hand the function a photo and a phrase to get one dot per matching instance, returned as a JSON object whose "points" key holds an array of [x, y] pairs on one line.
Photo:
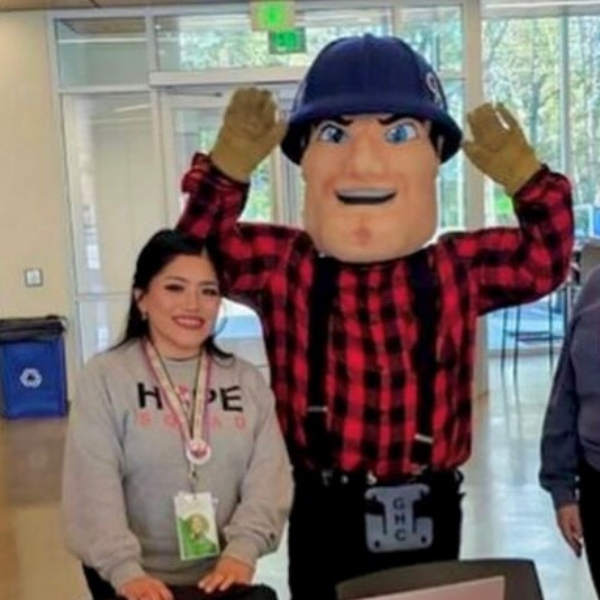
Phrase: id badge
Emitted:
{"points": [[391, 522], [196, 526]]}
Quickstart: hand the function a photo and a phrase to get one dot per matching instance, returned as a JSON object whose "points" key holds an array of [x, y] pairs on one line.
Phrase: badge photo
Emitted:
{"points": [[196, 526]]}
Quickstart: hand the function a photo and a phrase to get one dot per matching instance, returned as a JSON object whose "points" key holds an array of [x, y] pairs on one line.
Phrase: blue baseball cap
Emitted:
{"points": [[367, 75]]}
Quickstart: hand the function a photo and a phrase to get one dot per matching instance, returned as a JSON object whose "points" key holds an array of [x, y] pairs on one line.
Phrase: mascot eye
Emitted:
{"points": [[401, 132], [330, 132]]}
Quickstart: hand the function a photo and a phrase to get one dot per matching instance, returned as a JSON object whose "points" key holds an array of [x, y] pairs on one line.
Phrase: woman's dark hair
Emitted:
{"points": [[160, 250]]}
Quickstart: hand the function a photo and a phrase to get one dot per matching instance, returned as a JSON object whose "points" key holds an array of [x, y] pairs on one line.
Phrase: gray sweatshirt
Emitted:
{"points": [[125, 462], [572, 423]]}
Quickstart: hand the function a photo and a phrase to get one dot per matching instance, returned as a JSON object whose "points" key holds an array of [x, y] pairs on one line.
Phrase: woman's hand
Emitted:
{"points": [[145, 588], [569, 523], [227, 572]]}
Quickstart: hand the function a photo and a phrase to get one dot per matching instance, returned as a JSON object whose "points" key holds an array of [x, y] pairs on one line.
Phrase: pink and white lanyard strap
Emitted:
{"points": [[194, 430]]}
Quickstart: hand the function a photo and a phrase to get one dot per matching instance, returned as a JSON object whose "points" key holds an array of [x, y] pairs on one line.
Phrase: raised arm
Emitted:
{"points": [[512, 265], [217, 188]]}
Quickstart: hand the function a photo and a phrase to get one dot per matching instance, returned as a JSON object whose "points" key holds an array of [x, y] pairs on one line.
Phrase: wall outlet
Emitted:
{"points": [[33, 277]]}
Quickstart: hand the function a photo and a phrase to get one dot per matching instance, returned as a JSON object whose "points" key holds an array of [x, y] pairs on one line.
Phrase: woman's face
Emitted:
{"points": [[181, 305]]}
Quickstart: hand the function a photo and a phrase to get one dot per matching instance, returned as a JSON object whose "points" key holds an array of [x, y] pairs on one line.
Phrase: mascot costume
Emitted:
{"points": [[369, 327]]}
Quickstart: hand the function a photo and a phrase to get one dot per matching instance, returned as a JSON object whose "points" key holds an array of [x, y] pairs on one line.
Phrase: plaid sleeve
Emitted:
{"points": [[247, 253], [515, 265], [214, 202]]}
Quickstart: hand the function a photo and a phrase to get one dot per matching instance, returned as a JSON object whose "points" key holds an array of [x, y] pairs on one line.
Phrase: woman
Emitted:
{"points": [[571, 435], [164, 426]]}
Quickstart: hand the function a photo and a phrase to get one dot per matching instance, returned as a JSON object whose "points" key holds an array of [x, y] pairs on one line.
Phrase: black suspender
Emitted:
{"points": [[325, 281], [425, 306]]}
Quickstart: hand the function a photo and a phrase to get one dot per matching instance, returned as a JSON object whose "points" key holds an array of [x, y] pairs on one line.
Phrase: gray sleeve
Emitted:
{"points": [[257, 524], [560, 450], [93, 505], [559, 447]]}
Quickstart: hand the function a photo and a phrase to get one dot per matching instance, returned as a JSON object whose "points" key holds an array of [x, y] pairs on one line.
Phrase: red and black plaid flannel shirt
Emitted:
{"points": [[371, 382]]}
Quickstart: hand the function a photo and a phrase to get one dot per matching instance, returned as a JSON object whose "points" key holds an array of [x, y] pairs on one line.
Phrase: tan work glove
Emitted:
{"points": [[249, 133], [499, 148]]}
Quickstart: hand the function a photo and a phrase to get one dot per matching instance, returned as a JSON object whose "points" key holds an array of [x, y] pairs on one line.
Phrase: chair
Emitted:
{"points": [[550, 333], [586, 257], [520, 575]]}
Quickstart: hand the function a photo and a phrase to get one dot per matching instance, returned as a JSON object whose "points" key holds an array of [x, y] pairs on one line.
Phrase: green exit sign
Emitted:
{"points": [[272, 15], [292, 41]]}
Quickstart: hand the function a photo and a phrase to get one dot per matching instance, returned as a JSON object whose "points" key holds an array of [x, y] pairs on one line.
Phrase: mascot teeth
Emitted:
{"points": [[365, 196]]}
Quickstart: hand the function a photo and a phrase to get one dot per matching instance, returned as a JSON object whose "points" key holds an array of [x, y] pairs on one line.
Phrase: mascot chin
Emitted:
{"points": [[369, 326]]}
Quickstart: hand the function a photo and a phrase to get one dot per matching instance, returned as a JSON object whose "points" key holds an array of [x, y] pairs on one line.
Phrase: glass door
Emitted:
{"points": [[191, 118]]}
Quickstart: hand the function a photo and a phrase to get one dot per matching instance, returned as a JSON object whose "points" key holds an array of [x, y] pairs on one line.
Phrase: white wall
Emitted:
{"points": [[34, 223]]}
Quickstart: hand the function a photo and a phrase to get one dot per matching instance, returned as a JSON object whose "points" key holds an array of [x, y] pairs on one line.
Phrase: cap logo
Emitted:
{"points": [[433, 85]]}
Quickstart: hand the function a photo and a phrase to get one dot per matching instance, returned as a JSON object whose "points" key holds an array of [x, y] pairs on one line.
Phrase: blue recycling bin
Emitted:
{"points": [[33, 380]]}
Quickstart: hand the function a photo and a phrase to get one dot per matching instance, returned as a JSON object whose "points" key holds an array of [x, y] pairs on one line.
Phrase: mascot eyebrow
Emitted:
{"points": [[349, 120]]}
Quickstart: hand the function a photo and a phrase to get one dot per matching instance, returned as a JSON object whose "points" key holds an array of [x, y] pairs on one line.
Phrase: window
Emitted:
{"points": [[102, 51], [226, 40], [543, 60], [119, 175], [545, 64]]}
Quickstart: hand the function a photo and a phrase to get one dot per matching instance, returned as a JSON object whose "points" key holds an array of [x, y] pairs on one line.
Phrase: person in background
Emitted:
{"points": [[570, 447], [165, 426]]}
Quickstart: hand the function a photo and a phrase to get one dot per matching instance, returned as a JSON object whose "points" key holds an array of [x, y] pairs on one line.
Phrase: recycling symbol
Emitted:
{"points": [[31, 378]]}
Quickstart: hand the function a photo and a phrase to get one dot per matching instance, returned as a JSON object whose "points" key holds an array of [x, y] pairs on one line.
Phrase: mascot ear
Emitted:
{"points": [[436, 135], [439, 146], [305, 138]]}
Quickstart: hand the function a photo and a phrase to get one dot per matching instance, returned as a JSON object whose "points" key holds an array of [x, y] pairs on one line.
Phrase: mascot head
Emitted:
{"points": [[369, 128]]}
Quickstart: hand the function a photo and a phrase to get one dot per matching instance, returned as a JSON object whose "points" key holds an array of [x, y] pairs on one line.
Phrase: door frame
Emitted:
{"points": [[210, 90]]}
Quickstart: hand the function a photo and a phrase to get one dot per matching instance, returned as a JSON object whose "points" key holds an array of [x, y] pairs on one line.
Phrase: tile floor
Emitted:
{"points": [[506, 514]]}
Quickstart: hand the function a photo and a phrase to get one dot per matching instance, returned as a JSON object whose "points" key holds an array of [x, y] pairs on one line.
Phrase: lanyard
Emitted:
{"points": [[194, 429]]}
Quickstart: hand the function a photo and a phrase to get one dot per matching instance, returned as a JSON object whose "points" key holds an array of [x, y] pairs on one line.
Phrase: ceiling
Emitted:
{"points": [[19, 5]]}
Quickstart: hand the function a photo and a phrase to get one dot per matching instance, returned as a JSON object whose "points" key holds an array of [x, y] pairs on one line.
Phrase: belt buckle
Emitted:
{"points": [[392, 521]]}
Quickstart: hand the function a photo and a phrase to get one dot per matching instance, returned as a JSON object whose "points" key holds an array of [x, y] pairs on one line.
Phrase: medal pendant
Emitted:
{"points": [[198, 452]]}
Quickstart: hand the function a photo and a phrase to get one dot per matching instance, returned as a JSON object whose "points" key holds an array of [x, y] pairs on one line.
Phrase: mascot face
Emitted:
{"points": [[361, 128], [370, 187]]}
